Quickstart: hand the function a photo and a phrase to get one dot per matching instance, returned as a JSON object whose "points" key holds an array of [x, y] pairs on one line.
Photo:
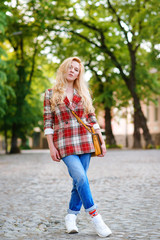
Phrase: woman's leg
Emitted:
{"points": [[75, 198], [77, 167]]}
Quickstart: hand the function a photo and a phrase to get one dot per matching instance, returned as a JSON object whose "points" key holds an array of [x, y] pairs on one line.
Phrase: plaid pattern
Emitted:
{"points": [[69, 136]]}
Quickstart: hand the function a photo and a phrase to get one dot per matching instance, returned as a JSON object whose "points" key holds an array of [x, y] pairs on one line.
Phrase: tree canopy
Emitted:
{"points": [[118, 42]]}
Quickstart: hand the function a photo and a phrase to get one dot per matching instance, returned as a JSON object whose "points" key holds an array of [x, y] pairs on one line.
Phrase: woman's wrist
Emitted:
{"points": [[50, 141], [100, 135]]}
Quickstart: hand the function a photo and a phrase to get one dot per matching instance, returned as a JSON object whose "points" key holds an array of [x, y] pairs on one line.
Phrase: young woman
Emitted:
{"points": [[71, 141]]}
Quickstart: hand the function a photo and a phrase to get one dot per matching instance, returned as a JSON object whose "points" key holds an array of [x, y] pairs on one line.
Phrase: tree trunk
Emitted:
{"points": [[24, 143], [5, 136], [142, 122], [110, 139], [14, 142], [126, 132], [137, 135], [139, 118], [6, 141]]}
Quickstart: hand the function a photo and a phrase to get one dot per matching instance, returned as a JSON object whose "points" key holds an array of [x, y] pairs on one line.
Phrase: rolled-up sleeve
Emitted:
{"points": [[93, 121], [48, 115]]}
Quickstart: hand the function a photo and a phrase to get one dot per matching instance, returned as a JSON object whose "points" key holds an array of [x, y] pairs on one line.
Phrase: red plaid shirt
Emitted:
{"points": [[69, 136]]}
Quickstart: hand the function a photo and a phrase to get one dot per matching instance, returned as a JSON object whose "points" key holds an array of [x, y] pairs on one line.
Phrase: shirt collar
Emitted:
{"points": [[76, 99]]}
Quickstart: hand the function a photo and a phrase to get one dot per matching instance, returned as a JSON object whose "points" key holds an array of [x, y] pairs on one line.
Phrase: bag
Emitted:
{"points": [[95, 136], [96, 143]]}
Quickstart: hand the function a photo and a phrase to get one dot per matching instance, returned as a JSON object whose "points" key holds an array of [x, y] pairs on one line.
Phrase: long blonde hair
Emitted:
{"points": [[59, 88]]}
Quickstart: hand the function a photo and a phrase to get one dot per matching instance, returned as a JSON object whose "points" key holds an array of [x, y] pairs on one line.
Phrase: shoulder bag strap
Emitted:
{"points": [[80, 121]]}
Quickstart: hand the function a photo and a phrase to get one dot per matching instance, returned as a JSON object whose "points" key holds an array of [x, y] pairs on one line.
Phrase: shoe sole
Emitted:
{"points": [[72, 232], [104, 236]]}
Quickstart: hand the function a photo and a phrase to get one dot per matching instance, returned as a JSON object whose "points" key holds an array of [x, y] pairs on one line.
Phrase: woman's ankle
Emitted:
{"points": [[93, 213]]}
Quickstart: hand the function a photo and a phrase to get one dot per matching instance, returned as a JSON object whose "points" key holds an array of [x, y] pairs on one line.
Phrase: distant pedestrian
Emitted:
{"points": [[70, 141]]}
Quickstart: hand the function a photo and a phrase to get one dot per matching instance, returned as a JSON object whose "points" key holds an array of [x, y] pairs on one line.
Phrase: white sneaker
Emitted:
{"points": [[100, 227], [70, 221]]}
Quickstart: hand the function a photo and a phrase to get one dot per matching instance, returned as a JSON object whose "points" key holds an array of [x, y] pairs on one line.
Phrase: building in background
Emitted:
{"points": [[123, 128]]}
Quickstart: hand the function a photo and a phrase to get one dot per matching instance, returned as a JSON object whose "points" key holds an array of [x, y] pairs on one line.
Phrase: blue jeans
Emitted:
{"points": [[81, 194]]}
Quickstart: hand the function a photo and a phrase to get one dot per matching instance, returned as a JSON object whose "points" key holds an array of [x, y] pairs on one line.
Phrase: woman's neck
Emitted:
{"points": [[69, 91], [70, 86]]}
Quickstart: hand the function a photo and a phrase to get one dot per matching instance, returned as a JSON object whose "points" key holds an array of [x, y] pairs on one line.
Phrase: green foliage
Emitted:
{"points": [[150, 146], [110, 31], [114, 146], [37, 33], [22, 75], [2, 24], [5, 90]]}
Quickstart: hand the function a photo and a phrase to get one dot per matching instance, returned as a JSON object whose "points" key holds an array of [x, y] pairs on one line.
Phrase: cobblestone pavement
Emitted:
{"points": [[35, 192]]}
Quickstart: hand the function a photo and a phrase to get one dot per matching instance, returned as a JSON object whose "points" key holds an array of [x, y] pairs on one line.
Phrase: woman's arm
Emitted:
{"points": [[48, 126], [53, 151]]}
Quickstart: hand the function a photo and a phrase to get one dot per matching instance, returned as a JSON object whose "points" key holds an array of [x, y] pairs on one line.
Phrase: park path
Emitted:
{"points": [[34, 195]]}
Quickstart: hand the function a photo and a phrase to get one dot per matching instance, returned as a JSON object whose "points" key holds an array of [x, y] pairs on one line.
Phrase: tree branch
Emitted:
{"points": [[84, 37], [140, 25], [105, 49], [80, 21], [103, 46], [33, 62], [113, 57], [119, 23]]}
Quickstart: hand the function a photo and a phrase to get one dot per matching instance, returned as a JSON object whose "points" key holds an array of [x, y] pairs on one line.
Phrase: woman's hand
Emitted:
{"points": [[55, 154], [103, 145], [104, 150], [53, 151]]}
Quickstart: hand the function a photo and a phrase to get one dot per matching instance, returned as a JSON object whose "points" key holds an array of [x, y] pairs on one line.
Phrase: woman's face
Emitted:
{"points": [[73, 71]]}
